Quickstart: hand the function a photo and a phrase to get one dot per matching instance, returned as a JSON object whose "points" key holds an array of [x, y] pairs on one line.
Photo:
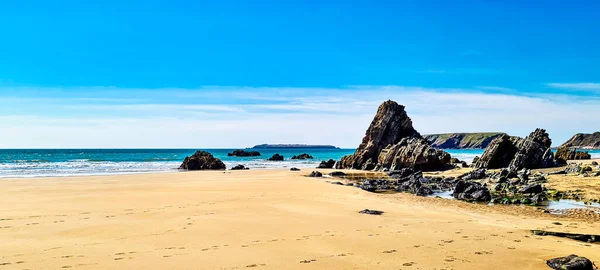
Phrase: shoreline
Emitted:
{"points": [[268, 219]]}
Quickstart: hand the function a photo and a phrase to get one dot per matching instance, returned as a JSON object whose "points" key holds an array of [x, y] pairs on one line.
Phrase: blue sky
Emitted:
{"points": [[141, 73]]}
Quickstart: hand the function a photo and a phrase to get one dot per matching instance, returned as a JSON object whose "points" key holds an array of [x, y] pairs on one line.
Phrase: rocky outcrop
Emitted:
{"points": [[471, 191], [315, 174], [276, 157], [243, 153], [202, 160], [585, 141], [564, 153], [239, 167], [326, 164], [462, 140], [391, 143], [302, 156], [413, 153], [530, 152], [571, 262]]}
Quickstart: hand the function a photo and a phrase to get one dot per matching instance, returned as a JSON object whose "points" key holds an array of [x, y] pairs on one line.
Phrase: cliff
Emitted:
{"points": [[462, 140], [585, 141], [262, 146]]}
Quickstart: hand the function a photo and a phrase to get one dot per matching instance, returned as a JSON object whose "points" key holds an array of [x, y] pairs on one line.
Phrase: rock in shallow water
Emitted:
{"points": [[276, 157], [202, 160], [326, 164], [315, 174], [571, 262], [243, 153]]}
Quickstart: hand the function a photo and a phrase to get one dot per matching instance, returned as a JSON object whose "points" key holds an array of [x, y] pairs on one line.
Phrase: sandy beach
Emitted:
{"points": [[269, 219]]}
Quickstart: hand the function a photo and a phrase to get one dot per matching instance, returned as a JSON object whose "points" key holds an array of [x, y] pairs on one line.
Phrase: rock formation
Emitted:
{"points": [[239, 167], [302, 156], [572, 262], [202, 160], [276, 157], [244, 153], [391, 143], [413, 153], [326, 164], [530, 152], [564, 153]]}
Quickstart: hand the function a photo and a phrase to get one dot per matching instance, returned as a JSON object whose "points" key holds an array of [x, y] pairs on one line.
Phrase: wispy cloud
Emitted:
{"points": [[243, 116], [585, 86]]}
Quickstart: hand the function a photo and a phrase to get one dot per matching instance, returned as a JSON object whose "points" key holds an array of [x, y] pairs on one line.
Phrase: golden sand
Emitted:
{"points": [[263, 219]]}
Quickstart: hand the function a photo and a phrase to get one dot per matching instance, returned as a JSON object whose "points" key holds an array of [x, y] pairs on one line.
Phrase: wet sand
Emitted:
{"points": [[264, 219]]}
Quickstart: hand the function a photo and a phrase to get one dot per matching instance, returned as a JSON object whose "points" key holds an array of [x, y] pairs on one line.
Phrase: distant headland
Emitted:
{"points": [[263, 146]]}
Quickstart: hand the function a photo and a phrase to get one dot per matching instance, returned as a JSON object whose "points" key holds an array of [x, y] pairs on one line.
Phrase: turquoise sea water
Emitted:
{"points": [[71, 162]]}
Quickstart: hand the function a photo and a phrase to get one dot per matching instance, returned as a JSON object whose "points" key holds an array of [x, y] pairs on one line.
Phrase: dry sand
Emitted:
{"points": [[271, 219]]}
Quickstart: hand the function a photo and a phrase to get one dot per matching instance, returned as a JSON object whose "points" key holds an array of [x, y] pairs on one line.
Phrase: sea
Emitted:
{"points": [[31, 163]]}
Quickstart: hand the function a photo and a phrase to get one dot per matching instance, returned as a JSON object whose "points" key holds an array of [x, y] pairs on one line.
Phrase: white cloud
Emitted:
{"points": [[245, 116], [587, 86]]}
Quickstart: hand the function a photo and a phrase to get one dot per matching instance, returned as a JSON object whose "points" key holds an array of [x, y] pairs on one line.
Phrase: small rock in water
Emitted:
{"points": [[571, 262], [371, 212], [315, 174], [239, 167], [337, 174], [326, 164], [276, 157]]}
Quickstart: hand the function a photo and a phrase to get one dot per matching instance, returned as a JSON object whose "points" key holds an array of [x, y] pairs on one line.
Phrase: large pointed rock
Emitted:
{"points": [[531, 152], [391, 142], [414, 153]]}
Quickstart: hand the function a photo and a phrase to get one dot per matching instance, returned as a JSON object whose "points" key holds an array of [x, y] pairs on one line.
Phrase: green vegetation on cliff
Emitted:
{"points": [[581, 140], [462, 140]]}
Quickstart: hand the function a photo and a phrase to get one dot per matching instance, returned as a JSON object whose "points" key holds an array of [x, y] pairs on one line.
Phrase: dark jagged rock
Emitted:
{"points": [[532, 189], [326, 164], [571, 262], [473, 175], [589, 238], [594, 163], [239, 167], [302, 156], [413, 153], [202, 160], [392, 143], [373, 185], [471, 191], [276, 157], [337, 174], [530, 152], [401, 173], [315, 174], [294, 169], [243, 153], [573, 168], [371, 212], [564, 153]]}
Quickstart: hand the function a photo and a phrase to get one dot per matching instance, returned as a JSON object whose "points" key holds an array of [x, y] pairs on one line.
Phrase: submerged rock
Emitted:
{"points": [[326, 164], [302, 156], [202, 160], [571, 262], [243, 153], [276, 157]]}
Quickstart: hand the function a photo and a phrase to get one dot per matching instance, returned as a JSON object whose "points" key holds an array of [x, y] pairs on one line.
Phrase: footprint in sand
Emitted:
{"points": [[308, 261], [390, 251]]}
